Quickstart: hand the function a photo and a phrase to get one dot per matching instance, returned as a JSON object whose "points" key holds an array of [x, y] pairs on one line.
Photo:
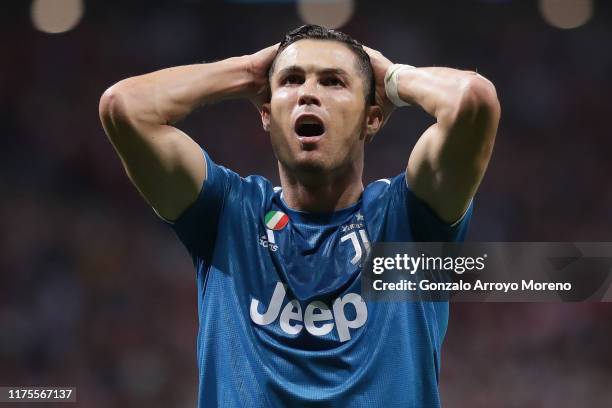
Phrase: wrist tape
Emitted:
{"points": [[391, 78]]}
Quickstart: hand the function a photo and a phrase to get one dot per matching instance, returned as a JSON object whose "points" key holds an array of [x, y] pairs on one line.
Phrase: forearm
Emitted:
{"points": [[168, 95], [449, 95]]}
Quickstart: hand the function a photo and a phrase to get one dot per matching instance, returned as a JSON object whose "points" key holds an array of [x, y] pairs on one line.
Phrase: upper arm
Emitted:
{"points": [[448, 161], [166, 166]]}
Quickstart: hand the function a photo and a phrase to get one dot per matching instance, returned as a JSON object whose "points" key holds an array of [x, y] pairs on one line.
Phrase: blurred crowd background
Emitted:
{"points": [[96, 292]]}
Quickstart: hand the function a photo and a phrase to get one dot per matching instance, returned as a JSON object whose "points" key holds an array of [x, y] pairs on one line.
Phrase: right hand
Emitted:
{"points": [[258, 66]]}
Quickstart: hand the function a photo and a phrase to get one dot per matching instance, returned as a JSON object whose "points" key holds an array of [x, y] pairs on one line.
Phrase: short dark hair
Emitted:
{"points": [[315, 32]]}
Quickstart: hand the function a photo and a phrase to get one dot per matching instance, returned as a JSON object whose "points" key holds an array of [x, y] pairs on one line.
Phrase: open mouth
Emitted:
{"points": [[309, 126]]}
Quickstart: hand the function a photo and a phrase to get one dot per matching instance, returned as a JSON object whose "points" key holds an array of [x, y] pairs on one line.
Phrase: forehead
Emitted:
{"points": [[317, 55]]}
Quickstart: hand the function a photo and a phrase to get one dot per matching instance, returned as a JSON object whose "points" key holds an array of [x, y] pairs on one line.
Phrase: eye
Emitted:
{"points": [[332, 81], [292, 79]]}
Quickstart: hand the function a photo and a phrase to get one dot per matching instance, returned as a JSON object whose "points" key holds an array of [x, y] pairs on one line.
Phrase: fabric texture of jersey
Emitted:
{"points": [[281, 318]]}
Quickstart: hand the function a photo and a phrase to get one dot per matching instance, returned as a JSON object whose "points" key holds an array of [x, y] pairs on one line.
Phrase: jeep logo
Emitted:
{"points": [[317, 318]]}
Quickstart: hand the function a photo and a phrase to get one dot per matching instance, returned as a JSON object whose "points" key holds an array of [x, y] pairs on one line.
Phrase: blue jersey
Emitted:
{"points": [[282, 321]]}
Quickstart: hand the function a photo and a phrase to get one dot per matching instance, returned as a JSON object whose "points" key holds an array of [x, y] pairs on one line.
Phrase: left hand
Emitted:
{"points": [[380, 64]]}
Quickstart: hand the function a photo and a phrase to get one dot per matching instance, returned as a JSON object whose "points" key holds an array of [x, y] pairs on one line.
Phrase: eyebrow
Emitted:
{"points": [[324, 71]]}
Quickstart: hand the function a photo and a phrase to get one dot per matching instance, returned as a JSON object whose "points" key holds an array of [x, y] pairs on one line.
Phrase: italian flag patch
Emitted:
{"points": [[276, 220]]}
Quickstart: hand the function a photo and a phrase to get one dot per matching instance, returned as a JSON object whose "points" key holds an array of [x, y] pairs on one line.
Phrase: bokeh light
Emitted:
{"points": [[56, 16], [326, 13], [566, 14]]}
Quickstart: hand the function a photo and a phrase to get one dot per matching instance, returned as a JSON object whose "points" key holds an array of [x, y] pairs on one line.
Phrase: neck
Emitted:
{"points": [[321, 192]]}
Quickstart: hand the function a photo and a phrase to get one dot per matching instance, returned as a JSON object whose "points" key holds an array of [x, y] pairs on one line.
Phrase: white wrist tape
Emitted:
{"points": [[391, 77]]}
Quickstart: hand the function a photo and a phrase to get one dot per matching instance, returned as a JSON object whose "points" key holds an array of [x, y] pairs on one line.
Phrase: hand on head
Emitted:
{"points": [[259, 64], [380, 64]]}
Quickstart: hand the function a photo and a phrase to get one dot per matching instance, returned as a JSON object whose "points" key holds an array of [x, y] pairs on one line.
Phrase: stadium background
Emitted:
{"points": [[96, 292]]}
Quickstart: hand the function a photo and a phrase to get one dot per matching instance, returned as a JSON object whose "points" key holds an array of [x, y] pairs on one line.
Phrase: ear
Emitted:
{"points": [[265, 116], [374, 121]]}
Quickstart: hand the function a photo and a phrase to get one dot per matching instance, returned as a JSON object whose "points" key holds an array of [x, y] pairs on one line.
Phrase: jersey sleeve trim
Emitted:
{"points": [[165, 220], [460, 219]]}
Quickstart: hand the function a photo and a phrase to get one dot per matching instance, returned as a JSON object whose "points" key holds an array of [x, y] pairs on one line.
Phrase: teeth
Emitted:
{"points": [[309, 121]]}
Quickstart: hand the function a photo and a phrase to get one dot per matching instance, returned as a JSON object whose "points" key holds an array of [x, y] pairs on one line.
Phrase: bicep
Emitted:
{"points": [[448, 162], [166, 165]]}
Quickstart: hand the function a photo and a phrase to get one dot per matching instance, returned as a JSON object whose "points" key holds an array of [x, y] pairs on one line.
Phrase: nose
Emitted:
{"points": [[308, 94]]}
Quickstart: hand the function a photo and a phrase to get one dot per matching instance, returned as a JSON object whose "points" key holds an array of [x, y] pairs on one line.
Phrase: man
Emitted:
{"points": [[282, 322]]}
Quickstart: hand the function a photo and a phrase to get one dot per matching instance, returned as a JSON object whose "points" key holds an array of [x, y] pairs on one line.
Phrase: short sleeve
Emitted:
{"points": [[197, 226]]}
